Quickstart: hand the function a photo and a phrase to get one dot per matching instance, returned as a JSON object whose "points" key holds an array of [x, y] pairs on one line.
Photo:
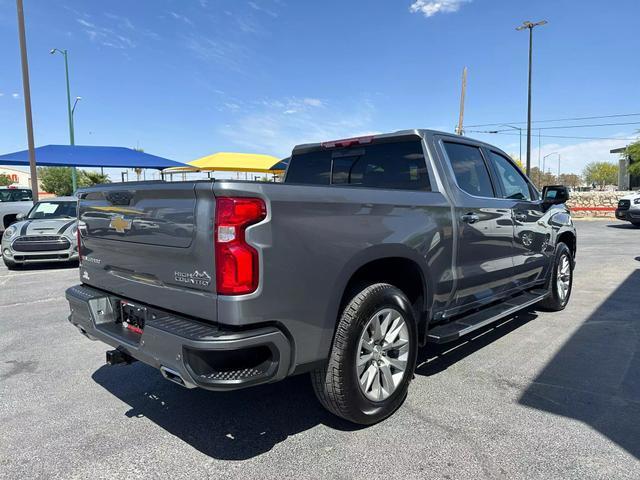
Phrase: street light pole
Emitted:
{"points": [[520, 132], [530, 26], [544, 161], [27, 100], [74, 177], [558, 167]]}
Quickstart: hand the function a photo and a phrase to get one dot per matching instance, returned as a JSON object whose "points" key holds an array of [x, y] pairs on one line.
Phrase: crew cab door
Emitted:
{"points": [[532, 232], [484, 261]]}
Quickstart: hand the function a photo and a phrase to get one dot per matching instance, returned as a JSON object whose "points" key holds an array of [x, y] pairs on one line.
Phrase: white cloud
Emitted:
{"points": [[313, 102], [257, 7], [106, 36], [223, 52], [276, 126], [182, 18], [431, 7], [574, 157], [15, 95]]}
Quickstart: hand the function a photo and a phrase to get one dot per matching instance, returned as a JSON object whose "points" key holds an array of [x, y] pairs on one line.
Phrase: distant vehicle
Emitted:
{"points": [[13, 201], [629, 209], [370, 248], [47, 233]]}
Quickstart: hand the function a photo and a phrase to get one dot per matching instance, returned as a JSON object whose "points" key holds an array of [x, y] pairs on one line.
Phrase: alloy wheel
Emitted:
{"points": [[383, 353]]}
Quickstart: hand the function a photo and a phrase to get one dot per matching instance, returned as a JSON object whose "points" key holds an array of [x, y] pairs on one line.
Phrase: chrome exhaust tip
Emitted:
{"points": [[172, 376]]}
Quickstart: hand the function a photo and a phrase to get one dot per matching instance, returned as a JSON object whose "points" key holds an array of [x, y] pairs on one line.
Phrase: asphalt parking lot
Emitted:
{"points": [[541, 395]]}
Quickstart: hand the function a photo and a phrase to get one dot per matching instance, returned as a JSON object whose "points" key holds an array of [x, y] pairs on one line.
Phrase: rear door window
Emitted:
{"points": [[469, 169], [394, 165]]}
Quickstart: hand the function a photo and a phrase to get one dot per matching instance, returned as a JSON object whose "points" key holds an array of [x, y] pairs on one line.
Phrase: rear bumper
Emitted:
{"points": [[192, 353]]}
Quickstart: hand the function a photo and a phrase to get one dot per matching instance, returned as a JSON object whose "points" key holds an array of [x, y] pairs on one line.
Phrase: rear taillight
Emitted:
{"points": [[348, 142], [237, 262]]}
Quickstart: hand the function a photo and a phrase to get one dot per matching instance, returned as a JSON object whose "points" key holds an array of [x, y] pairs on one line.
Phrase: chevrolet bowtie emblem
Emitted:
{"points": [[120, 224]]}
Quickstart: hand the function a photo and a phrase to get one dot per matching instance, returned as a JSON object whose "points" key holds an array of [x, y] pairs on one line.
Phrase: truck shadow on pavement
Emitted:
{"points": [[623, 226], [234, 425], [242, 424], [435, 358], [595, 376]]}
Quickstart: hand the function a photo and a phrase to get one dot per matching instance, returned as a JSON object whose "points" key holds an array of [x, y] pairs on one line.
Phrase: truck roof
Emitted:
{"points": [[421, 132]]}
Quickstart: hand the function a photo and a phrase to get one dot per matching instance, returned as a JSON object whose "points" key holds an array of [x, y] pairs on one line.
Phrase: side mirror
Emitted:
{"points": [[555, 194], [21, 216]]}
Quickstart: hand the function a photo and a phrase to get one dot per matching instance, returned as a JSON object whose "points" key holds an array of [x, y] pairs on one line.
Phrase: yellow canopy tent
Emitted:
{"points": [[230, 162]]}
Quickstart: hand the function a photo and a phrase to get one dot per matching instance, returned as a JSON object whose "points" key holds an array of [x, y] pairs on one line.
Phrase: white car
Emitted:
{"points": [[46, 234], [629, 209]]}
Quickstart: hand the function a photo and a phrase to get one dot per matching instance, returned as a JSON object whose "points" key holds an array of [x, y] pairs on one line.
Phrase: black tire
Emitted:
{"points": [[555, 301], [635, 224], [9, 264], [337, 384]]}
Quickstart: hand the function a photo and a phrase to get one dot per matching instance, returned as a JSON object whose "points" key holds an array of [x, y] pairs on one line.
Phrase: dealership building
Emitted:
{"points": [[626, 181]]}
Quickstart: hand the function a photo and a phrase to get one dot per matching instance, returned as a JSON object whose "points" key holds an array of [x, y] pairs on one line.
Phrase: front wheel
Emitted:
{"points": [[10, 264], [561, 280], [372, 359]]}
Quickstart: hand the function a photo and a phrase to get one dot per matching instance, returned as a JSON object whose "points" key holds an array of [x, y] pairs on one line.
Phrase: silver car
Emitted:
{"points": [[47, 233]]}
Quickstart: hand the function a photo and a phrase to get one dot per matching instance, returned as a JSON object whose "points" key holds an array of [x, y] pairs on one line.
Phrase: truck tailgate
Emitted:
{"points": [[151, 242]]}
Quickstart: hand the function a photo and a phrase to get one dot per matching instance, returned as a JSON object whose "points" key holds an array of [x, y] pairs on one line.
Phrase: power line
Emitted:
{"points": [[557, 120], [580, 126], [552, 136]]}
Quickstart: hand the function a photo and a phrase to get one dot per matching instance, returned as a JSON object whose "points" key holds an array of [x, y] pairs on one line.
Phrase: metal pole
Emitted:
{"points": [[530, 26], [74, 176], [520, 132], [27, 100], [558, 167], [539, 155], [529, 102]]}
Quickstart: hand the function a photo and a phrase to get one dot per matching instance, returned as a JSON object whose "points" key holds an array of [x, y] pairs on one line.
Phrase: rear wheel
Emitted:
{"points": [[561, 280], [373, 357]]}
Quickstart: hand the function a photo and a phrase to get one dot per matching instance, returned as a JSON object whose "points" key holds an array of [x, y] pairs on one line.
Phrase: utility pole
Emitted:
{"points": [[459, 129], [27, 100], [530, 26]]}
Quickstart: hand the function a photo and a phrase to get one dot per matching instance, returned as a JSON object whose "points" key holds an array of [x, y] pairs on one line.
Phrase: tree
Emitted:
{"points": [[88, 177], [5, 180], [601, 173], [540, 179], [570, 180], [58, 179], [633, 152], [517, 161]]}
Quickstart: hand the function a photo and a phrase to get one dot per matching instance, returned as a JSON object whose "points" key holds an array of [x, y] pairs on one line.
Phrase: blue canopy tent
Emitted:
{"points": [[89, 156]]}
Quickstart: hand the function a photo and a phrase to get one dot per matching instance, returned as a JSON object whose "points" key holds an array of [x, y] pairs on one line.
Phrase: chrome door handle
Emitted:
{"points": [[470, 218]]}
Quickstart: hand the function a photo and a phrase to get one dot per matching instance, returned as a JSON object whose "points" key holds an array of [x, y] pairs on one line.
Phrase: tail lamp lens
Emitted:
{"points": [[237, 262]]}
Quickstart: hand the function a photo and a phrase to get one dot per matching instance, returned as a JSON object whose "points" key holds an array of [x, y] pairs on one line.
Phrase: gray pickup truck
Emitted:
{"points": [[369, 249]]}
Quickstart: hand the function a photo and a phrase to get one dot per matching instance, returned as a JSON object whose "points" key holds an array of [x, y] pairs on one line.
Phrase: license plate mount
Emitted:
{"points": [[132, 317]]}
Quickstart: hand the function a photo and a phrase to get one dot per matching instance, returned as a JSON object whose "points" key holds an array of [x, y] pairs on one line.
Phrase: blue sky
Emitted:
{"points": [[184, 78]]}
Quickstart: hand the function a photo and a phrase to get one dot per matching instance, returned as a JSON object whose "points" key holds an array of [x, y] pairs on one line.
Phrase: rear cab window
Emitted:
{"points": [[391, 164]]}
